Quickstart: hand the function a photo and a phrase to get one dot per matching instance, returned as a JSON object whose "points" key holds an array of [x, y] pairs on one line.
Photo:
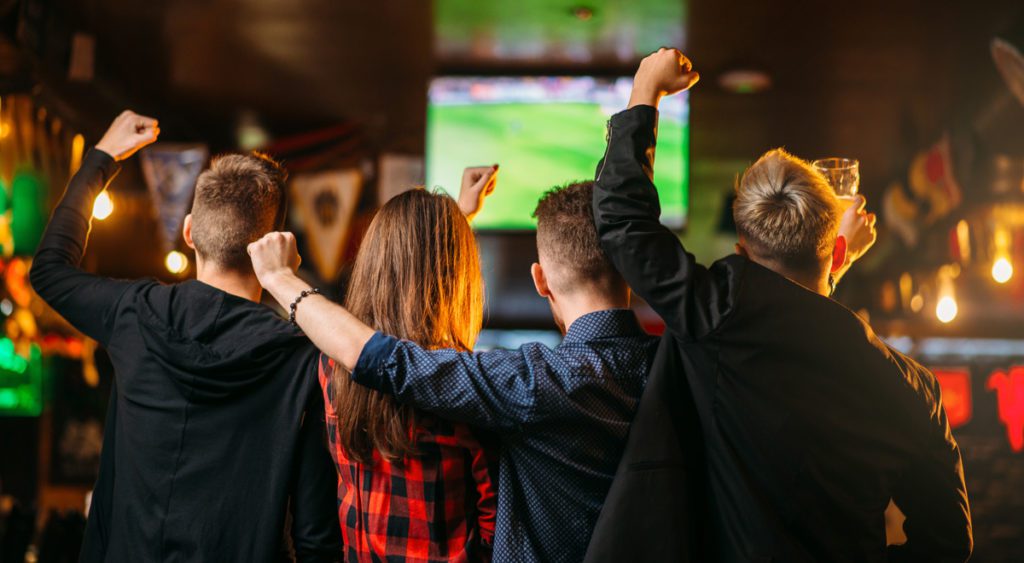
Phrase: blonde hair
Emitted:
{"points": [[786, 212]]}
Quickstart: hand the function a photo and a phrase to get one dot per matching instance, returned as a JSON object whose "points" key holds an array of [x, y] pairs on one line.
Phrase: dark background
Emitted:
{"points": [[874, 80]]}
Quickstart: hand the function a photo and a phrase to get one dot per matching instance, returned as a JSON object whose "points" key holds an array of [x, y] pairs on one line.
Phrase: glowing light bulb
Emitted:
{"points": [[103, 206], [946, 309], [1002, 270], [176, 262]]}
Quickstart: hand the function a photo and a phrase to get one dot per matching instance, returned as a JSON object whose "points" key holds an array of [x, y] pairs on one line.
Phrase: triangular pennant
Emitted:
{"points": [[171, 171], [1010, 63], [326, 202]]}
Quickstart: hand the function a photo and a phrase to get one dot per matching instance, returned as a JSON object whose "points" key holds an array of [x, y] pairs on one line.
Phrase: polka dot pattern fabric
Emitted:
{"points": [[562, 415]]}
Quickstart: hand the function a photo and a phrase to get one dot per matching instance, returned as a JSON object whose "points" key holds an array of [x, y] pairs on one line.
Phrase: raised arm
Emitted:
{"points": [[493, 389], [334, 330], [689, 298], [85, 299]]}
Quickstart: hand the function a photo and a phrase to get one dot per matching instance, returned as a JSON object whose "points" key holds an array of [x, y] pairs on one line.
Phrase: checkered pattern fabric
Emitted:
{"points": [[436, 506]]}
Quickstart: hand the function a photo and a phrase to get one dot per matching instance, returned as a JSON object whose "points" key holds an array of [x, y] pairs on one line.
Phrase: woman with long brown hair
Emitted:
{"points": [[411, 486]]}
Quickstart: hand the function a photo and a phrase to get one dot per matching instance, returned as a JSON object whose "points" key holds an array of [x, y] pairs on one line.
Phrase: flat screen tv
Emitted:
{"points": [[544, 131]]}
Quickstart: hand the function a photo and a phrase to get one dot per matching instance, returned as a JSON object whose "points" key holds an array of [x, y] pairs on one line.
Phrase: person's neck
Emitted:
{"points": [[816, 282], [572, 307], [240, 284]]}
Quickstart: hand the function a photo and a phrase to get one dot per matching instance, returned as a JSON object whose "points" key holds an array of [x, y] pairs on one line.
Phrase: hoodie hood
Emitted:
{"points": [[214, 344]]}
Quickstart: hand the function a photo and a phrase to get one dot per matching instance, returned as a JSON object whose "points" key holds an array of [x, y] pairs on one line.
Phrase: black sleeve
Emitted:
{"points": [[316, 532], [931, 492], [97, 525], [690, 299], [85, 300]]}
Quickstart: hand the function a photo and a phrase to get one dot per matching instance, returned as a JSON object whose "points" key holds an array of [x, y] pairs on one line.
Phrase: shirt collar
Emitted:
{"points": [[604, 324]]}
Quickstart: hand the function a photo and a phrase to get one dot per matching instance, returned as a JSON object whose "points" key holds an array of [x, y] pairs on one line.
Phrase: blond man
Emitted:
{"points": [[810, 424]]}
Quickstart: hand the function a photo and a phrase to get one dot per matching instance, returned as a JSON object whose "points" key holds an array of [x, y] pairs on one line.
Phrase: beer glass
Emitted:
{"points": [[844, 176]]}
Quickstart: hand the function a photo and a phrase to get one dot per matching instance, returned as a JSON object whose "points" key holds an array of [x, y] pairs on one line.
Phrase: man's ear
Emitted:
{"points": [[539, 281], [742, 250], [186, 231], [839, 254]]}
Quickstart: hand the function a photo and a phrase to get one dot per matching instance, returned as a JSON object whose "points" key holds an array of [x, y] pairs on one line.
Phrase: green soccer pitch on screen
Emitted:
{"points": [[544, 132]]}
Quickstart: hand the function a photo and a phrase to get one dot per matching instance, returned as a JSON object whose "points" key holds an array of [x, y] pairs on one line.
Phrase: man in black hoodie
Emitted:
{"points": [[216, 424]]}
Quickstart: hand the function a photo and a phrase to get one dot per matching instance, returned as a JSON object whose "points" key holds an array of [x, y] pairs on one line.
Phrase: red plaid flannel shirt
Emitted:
{"points": [[437, 506]]}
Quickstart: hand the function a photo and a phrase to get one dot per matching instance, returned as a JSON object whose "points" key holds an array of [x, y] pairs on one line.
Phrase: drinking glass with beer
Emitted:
{"points": [[844, 176]]}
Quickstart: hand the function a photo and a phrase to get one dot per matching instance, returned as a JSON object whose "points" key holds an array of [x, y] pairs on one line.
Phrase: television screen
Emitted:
{"points": [[544, 132]]}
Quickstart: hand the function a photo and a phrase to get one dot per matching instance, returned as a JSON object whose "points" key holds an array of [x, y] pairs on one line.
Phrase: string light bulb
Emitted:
{"points": [[946, 308], [102, 206], [176, 262], [1002, 268]]}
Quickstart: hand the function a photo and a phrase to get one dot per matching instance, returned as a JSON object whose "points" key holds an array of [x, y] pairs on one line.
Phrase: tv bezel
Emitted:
{"points": [[549, 72]]}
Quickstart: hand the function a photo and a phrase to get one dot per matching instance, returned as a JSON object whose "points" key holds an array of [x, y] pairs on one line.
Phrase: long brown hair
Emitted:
{"points": [[416, 277]]}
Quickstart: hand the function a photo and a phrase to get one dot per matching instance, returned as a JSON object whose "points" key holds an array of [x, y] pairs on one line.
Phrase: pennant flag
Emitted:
{"points": [[171, 171], [1010, 63], [398, 173], [326, 202]]}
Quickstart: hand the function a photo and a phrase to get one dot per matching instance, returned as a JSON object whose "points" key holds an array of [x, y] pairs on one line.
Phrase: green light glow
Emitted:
{"points": [[21, 381]]}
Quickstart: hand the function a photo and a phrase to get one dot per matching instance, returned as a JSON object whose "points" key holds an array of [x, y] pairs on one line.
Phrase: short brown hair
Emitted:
{"points": [[786, 212], [240, 198], [567, 236]]}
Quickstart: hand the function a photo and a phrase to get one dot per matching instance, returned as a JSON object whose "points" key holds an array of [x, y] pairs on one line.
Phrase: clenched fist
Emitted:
{"points": [[128, 133], [276, 253], [477, 183], [662, 73]]}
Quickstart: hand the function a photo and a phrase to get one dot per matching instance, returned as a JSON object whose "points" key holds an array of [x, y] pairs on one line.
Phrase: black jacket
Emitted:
{"points": [[810, 423], [217, 421], [656, 509]]}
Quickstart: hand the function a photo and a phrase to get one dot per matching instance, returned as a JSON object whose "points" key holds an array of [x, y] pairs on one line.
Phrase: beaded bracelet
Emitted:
{"points": [[305, 293]]}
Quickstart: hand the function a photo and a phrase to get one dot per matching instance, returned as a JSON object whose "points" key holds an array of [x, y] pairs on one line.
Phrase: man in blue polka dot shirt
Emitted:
{"points": [[562, 413]]}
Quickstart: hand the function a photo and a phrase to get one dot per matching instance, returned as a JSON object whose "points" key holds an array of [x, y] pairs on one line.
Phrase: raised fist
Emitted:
{"points": [[662, 73], [128, 133], [477, 183], [276, 253]]}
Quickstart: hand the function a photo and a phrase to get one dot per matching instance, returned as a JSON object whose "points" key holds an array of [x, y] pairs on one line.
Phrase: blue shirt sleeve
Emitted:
{"points": [[496, 389]]}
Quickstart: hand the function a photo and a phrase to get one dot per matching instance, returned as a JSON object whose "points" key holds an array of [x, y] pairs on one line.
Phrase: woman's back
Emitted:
{"points": [[411, 487], [436, 505]]}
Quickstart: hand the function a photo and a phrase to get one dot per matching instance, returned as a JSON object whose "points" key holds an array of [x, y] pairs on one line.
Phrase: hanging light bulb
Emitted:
{"points": [[176, 262], [103, 206], [1002, 270], [946, 308], [1002, 267]]}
